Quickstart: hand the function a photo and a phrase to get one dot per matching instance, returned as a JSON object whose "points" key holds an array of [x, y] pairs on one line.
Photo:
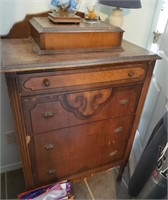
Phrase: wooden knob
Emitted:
{"points": [[130, 74], [46, 82]]}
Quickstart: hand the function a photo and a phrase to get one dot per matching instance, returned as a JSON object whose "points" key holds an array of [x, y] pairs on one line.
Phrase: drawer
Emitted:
{"points": [[83, 79], [63, 153], [54, 112]]}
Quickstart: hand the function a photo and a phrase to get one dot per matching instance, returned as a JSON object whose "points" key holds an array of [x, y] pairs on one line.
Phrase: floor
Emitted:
{"points": [[100, 186]]}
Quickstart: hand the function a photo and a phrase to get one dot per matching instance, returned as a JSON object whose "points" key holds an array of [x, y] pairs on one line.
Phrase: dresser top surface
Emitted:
{"points": [[19, 55]]}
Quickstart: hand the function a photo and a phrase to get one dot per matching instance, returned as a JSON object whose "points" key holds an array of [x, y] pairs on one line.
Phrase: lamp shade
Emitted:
{"points": [[122, 3]]}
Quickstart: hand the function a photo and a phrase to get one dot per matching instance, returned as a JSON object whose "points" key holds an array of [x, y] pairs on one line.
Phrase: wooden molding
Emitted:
{"points": [[21, 29]]}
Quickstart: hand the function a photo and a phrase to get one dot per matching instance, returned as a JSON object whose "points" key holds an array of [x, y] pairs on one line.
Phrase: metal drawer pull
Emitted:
{"points": [[119, 129], [46, 82], [123, 101], [49, 146], [130, 74], [113, 153], [51, 171], [47, 115]]}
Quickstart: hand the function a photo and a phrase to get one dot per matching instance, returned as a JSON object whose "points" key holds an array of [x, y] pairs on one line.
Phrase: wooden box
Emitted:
{"points": [[53, 38]]}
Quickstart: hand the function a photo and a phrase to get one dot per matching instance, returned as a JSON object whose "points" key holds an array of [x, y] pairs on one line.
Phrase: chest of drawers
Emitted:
{"points": [[79, 128], [76, 114]]}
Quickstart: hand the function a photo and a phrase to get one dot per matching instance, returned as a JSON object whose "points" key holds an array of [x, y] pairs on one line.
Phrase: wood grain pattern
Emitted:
{"points": [[68, 80], [21, 132], [86, 104], [49, 38], [19, 55], [34, 107], [80, 149]]}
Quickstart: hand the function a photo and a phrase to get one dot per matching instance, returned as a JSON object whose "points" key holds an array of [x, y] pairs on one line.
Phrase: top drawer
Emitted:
{"points": [[82, 79]]}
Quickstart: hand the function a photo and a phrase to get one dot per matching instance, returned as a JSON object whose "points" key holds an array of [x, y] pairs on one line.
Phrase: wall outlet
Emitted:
{"points": [[10, 137]]}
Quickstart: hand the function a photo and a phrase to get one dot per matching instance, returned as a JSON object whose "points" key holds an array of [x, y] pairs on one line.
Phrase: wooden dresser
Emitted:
{"points": [[76, 114]]}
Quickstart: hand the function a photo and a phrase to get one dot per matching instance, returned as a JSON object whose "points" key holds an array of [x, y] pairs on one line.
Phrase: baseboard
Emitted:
{"points": [[11, 167]]}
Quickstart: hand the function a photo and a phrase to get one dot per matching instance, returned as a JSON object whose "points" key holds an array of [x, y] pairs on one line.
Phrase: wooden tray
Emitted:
{"points": [[64, 19]]}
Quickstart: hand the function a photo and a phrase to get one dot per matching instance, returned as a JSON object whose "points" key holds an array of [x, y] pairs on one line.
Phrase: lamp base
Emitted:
{"points": [[116, 18]]}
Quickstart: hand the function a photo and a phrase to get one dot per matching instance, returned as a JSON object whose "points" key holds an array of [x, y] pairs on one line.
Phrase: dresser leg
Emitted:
{"points": [[121, 170]]}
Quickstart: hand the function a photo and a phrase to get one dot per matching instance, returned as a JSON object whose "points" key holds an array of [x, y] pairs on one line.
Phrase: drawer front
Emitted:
{"points": [[54, 81], [55, 112], [63, 153]]}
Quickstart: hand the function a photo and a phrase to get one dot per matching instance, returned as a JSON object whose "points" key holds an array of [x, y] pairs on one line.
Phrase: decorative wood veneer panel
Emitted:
{"points": [[77, 79], [122, 101]]}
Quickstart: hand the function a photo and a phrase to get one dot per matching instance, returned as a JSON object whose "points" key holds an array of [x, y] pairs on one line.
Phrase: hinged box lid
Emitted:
{"points": [[49, 37]]}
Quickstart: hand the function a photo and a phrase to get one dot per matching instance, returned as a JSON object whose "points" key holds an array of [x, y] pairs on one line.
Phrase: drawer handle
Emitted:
{"points": [[51, 171], [130, 74], [47, 115], [118, 130], [46, 82], [49, 146], [123, 101], [113, 153]]}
